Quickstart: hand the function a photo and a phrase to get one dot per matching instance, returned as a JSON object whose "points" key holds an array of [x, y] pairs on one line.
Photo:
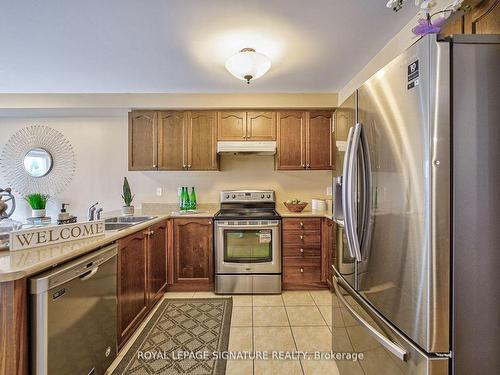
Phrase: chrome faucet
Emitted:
{"points": [[98, 213], [91, 215]]}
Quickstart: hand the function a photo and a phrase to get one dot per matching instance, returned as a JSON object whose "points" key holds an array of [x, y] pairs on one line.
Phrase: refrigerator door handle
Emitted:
{"points": [[350, 224], [345, 188], [367, 225], [384, 341]]}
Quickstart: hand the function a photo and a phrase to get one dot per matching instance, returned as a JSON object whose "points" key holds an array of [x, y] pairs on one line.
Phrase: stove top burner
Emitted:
{"points": [[244, 214], [250, 204]]}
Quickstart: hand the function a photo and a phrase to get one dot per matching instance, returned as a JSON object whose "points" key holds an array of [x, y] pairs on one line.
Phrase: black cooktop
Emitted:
{"points": [[246, 214]]}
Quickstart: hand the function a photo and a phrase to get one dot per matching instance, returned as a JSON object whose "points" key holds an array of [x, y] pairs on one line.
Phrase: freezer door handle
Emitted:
{"points": [[345, 188], [350, 195], [367, 222], [384, 341]]}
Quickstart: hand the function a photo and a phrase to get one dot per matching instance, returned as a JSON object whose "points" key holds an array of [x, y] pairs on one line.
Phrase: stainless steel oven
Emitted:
{"points": [[247, 244]]}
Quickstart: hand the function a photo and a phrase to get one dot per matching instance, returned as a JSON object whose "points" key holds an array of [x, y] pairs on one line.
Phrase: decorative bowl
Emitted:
{"points": [[295, 207]]}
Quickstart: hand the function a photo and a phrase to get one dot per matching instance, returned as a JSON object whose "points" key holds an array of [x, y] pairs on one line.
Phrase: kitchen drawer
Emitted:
{"points": [[303, 237], [297, 251], [307, 223], [302, 271]]}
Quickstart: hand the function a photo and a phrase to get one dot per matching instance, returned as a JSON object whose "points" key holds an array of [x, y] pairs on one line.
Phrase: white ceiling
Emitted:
{"points": [[112, 46]]}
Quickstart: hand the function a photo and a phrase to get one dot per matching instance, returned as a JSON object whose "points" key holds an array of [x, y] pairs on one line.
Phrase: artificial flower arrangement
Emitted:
{"points": [[430, 24]]}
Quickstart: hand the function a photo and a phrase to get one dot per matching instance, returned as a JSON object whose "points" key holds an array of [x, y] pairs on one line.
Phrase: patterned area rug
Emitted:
{"points": [[179, 327]]}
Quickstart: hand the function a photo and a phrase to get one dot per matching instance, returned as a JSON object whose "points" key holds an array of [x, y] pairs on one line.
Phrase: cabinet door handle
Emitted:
{"points": [[301, 270], [151, 232], [189, 166], [303, 166], [209, 222], [308, 165], [154, 166]]}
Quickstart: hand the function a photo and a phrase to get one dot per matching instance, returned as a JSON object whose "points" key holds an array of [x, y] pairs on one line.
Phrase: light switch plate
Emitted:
{"points": [[159, 191], [328, 190]]}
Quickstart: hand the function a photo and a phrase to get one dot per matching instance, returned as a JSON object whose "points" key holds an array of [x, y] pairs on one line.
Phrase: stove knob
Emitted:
{"points": [[268, 196], [227, 196], [262, 196], [234, 196]]}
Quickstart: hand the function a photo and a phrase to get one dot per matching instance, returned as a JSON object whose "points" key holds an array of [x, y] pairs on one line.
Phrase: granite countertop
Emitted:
{"points": [[283, 211], [24, 263]]}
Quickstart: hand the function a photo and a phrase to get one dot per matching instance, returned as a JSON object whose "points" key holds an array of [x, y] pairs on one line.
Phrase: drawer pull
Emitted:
{"points": [[302, 252], [301, 270], [301, 237], [301, 224]]}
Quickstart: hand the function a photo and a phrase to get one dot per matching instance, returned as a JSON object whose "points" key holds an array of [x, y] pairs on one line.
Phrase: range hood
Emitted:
{"points": [[246, 147]]}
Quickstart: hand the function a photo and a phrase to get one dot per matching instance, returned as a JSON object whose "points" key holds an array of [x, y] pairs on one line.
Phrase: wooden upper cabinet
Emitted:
{"points": [[250, 126], [319, 141], [484, 18], [344, 119], [202, 140], [193, 252], [291, 139], [232, 126], [261, 126], [142, 140], [172, 152]]}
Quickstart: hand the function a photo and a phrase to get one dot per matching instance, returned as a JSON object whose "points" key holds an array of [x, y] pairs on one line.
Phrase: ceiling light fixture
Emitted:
{"points": [[248, 65]]}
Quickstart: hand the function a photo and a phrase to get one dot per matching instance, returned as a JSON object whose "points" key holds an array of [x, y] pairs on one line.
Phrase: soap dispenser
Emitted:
{"points": [[63, 215]]}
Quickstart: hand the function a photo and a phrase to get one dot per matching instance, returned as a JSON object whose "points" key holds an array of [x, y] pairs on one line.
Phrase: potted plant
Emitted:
{"points": [[127, 198], [37, 202]]}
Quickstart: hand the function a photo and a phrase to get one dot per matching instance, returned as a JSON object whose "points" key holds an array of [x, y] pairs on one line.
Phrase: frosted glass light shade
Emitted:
{"points": [[248, 64]]}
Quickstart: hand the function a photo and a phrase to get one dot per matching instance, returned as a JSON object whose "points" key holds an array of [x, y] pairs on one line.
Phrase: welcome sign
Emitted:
{"points": [[50, 235]]}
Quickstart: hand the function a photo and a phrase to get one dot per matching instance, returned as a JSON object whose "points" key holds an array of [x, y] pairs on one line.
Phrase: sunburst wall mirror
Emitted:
{"points": [[38, 159]]}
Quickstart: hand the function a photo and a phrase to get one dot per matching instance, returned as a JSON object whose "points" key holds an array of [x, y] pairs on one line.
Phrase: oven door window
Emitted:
{"points": [[248, 245]]}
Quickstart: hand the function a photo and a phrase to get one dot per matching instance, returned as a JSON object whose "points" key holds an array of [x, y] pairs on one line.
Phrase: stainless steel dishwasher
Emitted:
{"points": [[73, 316]]}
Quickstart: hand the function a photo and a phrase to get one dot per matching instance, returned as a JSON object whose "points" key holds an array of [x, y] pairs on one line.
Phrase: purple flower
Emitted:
{"points": [[425, 26]]}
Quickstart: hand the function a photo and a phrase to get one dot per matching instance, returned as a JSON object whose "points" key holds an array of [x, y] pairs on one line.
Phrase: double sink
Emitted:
{"points": [[122, 222]]}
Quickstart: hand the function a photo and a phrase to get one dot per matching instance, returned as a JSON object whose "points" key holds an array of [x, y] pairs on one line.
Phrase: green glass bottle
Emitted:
{"points": [[184, 199], [192, 199], [188, 204]]}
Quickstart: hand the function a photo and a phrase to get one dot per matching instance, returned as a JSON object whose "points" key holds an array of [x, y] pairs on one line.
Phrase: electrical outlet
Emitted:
{"points": [[159, 192], [328, 190]]}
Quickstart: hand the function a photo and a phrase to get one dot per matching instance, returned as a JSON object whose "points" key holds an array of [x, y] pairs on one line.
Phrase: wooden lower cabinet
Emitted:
{"points": [[157, 262], [141, 276], [193, 255], [14, 327], [306, 253]]}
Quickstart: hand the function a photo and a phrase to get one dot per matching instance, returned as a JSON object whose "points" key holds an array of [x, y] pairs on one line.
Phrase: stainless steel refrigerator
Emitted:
{"points": [[417, 262]]}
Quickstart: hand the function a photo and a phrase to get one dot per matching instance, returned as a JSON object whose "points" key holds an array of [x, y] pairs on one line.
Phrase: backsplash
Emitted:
{"points": [[100, 144]]}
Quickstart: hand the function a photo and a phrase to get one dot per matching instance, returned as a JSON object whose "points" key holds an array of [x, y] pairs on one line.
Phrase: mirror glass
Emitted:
{"points": [[37, 162]]}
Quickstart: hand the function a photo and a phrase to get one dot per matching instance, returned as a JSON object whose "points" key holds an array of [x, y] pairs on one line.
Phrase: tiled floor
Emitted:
{"points": [[293, 321]]}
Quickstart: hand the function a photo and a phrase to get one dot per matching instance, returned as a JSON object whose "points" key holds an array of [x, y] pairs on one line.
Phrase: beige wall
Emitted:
{"points": [[100, 145]]}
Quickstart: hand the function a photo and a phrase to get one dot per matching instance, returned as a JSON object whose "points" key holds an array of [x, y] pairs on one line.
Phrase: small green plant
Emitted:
{"points": [[37, 201], [127, 194]]}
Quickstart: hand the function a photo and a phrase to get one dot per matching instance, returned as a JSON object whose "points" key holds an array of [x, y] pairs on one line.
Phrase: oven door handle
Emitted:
{"points": [[238, 226]]}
